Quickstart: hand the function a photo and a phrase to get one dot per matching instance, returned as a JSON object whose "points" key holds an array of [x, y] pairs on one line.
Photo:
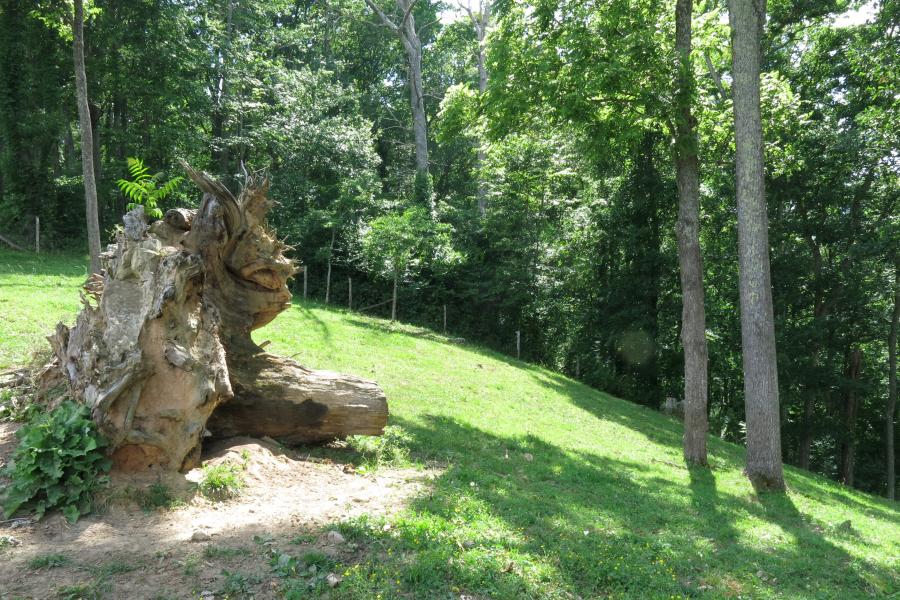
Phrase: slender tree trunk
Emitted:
{"points": [[481, 24], [221, 154], [764, 466], [892, 389], [848, 443], [405, 28], [328, 275], [693, 313], [809, 399], [96, 115], [394, 297], [87, 141], [417, 102]]}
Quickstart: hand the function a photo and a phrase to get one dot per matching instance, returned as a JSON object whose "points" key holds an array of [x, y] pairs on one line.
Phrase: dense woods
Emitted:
{"points": [[558, 170]]}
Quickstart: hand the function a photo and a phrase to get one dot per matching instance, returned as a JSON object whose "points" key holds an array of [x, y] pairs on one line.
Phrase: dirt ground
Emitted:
{"points": [[125, 552]]}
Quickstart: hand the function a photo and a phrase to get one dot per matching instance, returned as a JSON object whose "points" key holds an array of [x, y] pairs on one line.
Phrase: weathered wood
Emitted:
{"points": [[276, 397], [180, 218], [163, 341]]}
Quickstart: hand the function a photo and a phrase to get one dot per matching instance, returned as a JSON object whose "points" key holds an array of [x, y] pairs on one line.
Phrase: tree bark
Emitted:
{"points": [[848, 443], [87, 142], [166, 341], [764, 463], [405, 28], [891, 408], [394, 297], [480, 23], [693, 312], [328, 275]]}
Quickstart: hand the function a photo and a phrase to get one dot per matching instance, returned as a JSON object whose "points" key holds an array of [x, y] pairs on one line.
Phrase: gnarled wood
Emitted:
{"points": [[165, 344]]}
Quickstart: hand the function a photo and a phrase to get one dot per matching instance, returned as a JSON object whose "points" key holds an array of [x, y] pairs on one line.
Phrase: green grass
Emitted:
{"points": [[606, 508], [48, 561], [222, 481]]}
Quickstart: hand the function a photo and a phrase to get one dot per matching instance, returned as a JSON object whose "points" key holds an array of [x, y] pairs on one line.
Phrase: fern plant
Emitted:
{"points": [[145, 189]]}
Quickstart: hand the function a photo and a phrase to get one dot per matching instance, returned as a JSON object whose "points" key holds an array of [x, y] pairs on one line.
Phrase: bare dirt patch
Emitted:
{"points": [[127, 552]]}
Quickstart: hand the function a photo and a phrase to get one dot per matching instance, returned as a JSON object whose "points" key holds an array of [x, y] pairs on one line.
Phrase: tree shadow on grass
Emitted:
{"points": [[595, 525]]}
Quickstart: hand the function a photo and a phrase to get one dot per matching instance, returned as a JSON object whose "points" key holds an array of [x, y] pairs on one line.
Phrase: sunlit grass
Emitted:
{"points": [[546, 488]]}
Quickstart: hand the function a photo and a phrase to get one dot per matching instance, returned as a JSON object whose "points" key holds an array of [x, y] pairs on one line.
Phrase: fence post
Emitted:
{"points": [[518, 343], [350, 293], [305, 269], [37, 234], [445, 319]]}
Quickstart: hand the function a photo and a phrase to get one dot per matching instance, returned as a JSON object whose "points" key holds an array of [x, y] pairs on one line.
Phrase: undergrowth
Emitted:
{"points": [[222, 481], [59, 463], [389, 449]]}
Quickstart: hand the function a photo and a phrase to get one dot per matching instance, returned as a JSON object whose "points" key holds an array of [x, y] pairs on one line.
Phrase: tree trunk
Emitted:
{"points": [[328, 275], [166, 343], [417, 96], [892, 389], [764, 467], [693, 313], [481, 24], [405, 28], [809, 398], [394, 298], [87, 143], [848, 443]]}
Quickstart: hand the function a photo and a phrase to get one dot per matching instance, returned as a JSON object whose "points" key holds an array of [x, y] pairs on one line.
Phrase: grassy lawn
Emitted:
{"points": [[548, 489]]}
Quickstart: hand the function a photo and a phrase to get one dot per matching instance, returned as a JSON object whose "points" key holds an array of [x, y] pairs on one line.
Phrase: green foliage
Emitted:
{"points": [[237, 585], [390, 448], [400, 244], [145, 189], [48, 561], [59, 463], [222, 481], [156, 496]]}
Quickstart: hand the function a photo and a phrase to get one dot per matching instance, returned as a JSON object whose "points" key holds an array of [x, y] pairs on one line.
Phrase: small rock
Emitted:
{"points": [[335, 538], [332, 580], [200, 536], [528, 457], [468, 544], [207, 594]]}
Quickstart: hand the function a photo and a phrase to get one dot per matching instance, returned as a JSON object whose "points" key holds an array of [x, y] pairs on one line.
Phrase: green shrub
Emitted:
{"points": [[222, 481], [59, 463], [48, 561], [392, 447]]}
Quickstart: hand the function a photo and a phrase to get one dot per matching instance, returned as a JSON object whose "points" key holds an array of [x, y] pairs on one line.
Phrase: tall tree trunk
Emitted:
{"points": [[693, 313], [96, 115], [417, 99], [404, 26], [764, 468], [328, 276], [87, 140], [481, 22], [394, 297], [809, 398], [848, 443], [892, 389], [220, 153]]}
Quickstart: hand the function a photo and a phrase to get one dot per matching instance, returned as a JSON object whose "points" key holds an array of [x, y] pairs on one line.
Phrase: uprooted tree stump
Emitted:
{"points": [[162, 353]]}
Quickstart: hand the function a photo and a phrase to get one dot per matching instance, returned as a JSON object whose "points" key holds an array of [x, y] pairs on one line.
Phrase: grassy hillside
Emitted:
{"points": [[546, 488]]}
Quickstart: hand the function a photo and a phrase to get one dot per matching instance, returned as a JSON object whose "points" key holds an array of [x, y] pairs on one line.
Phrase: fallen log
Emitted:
{"points": [[161, 350]]}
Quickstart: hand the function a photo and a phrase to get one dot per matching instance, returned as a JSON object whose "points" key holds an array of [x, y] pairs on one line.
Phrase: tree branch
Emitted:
{"points": [[384, 18], [715, 75]]}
